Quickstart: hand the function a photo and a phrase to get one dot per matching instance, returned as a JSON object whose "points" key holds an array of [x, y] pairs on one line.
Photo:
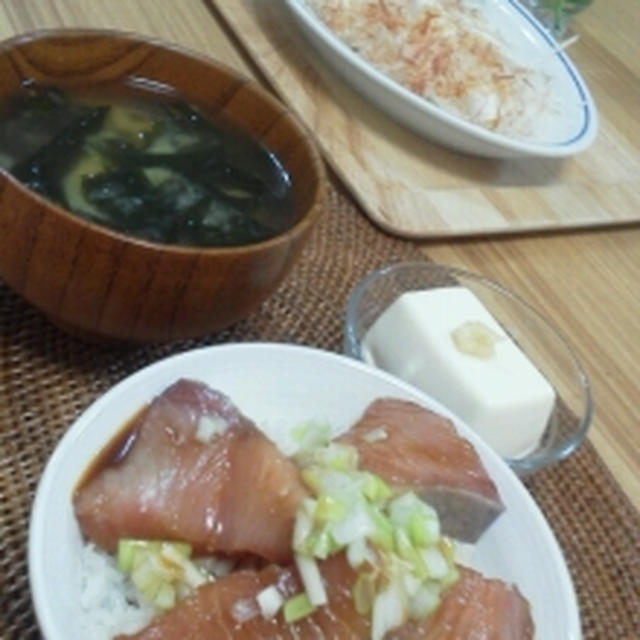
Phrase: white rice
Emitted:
{"points": [[109, 603]]}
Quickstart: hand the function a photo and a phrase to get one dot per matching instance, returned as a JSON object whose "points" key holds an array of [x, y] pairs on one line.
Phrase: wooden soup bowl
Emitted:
{"points": [[99, 283]]}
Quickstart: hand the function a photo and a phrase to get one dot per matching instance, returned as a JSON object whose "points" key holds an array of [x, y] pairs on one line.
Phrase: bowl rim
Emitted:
{"points": [[154, 374], [301, 226], [532, 462]]}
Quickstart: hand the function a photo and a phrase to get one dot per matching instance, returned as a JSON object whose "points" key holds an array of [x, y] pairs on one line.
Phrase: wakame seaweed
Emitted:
{"points": [[150, 166], [43, 170]]}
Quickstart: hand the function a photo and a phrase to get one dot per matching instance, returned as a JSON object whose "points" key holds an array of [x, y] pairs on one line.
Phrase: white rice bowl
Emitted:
{"points": [[78, 593]]}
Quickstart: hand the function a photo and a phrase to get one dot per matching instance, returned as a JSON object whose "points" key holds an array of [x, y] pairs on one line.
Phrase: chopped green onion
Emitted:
{"points": [[165, 597], [382, 535], [319, 544], [359, 552], [424, 601], [390, 609], [311, 435], [375, 489], [435, 563], [411, 583], [341, 457], [303, 526], [421, 530], [364, 592], [331, 481], [297, 607], [270, 601], [413, 514], [408, 552], [161, 571], [126, 554], [329, 509], [311, 579], [357, 523], [451, 577], [393, 543]]}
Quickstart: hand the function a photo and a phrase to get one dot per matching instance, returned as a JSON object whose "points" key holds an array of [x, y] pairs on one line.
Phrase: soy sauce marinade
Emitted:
{"points": [[146, 165]]}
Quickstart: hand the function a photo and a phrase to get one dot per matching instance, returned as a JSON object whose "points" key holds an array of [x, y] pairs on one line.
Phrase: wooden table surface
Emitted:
{"points": [[588, 281], [414, 188]]}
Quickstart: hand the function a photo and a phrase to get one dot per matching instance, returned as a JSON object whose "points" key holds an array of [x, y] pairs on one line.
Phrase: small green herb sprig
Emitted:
{"points": [[560, 10]]}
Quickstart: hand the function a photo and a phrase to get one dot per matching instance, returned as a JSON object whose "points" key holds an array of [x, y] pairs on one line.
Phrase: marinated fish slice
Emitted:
{"points": [[414, 448], [233, 493], [228, 608], [474, 608]]}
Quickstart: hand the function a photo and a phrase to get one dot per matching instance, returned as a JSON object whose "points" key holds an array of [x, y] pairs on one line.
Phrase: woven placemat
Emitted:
{"points": [[48, 378]]}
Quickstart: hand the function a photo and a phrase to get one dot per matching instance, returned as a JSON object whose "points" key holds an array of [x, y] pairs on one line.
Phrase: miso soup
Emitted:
{"points": [[146, 164]]}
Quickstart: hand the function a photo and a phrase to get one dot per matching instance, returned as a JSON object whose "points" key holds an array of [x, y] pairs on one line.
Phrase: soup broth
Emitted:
{"points": [[146, 164]]}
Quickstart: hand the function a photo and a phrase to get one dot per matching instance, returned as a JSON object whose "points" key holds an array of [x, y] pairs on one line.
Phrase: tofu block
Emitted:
{"points": [[445, 342]]}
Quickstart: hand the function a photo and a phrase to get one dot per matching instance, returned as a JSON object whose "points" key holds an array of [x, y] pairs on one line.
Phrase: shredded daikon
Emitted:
{"points": [[447, 52]]}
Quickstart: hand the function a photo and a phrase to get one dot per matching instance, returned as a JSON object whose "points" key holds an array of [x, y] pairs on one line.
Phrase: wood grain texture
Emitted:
{"points": [[413, 188], [588, 283], [99, 283], [187, 23]]}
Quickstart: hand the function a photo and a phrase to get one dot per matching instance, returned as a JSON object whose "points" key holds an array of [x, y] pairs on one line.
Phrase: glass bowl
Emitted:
{"points": [[536, 336]]}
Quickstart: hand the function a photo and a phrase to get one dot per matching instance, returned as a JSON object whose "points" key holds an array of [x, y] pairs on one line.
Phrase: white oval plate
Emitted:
{"points": [[569, 123], [279, 386]]}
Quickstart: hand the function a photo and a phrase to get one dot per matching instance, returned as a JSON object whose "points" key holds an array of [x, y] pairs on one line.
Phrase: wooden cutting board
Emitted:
{"points": [[413, 188]]}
